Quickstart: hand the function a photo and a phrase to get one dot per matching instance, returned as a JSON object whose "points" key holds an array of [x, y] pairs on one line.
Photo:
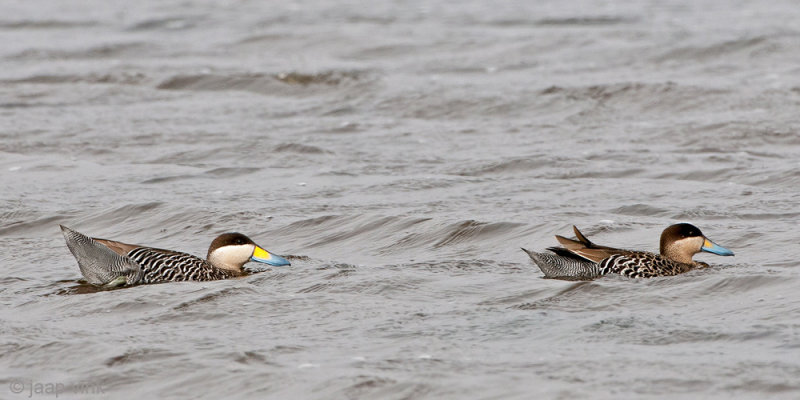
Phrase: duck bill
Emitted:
{"points": [[712, 247], [263, 256]]}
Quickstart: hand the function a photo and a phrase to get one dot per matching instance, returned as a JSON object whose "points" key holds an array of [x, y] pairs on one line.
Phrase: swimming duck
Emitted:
{"points": [[111, 263], [581, 259]]}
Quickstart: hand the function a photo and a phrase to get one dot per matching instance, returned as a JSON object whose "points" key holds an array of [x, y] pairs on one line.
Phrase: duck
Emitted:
{"points": [[111, 263], [582, 259]]}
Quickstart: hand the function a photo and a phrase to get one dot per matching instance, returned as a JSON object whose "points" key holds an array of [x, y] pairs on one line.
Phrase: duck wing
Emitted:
{"points": [[585, 248], [124, 249], [118, 247]]}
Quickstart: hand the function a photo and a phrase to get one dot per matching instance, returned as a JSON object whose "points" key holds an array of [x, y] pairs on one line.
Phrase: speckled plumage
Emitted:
{"points": [[641, 264], [581, 259]]}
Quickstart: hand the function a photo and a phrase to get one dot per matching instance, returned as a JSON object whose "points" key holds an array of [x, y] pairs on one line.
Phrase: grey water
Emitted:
{"points": [[400, 154]]}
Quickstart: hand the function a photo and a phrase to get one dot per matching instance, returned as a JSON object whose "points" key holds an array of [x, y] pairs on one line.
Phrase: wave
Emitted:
{"points": [[278, 84]]}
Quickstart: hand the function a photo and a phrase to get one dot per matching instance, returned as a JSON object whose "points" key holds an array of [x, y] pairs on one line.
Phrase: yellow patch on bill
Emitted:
{"points": [[261, 253]]}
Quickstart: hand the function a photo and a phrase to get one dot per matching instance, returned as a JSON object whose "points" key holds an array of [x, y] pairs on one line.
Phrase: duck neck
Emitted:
{"points": [[674, 253], [218, 263], [230, 271]]}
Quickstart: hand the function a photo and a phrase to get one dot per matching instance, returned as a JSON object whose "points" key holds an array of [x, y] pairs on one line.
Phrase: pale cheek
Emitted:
{"points": [[692, 244], [233, 254]]}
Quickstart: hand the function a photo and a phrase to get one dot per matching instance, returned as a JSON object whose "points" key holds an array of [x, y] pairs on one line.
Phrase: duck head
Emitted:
{"points": [[231, 251], [680, 242]]}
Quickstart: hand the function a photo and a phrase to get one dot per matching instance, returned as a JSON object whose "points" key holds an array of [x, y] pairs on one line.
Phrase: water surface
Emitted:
{"points": [[401, 154]]}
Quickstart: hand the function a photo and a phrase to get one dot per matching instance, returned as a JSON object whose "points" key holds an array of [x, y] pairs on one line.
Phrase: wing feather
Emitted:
{"points": [[586, 249], [124, 248]]}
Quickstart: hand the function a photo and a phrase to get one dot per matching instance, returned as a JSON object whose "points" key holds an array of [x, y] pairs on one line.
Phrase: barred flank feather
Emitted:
{"points": [[169, 266]]}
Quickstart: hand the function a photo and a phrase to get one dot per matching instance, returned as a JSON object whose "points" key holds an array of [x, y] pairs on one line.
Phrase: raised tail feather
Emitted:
{"points": [[582, 243], [583, 239], [99, 264], [567, 268]]}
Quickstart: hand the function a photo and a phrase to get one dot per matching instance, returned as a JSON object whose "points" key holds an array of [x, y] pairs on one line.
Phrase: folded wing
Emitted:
{"points": [[584, 248]]}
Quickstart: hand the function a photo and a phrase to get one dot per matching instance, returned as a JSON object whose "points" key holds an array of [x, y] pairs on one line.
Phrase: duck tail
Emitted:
{"points": [[99, 264], [556, 266]]}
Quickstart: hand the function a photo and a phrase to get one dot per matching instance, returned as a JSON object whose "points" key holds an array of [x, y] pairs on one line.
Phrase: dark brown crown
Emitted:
{"points": [[677, 232], [229, 239]]}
